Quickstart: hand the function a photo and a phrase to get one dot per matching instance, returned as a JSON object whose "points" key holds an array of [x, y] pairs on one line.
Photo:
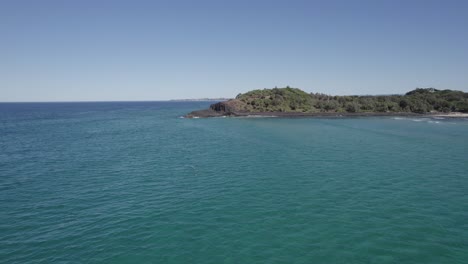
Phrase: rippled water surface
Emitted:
{"points": [[134, 183]]}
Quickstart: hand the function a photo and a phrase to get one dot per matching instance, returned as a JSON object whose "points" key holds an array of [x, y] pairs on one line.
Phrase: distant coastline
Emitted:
{"points": [[201, 99]]}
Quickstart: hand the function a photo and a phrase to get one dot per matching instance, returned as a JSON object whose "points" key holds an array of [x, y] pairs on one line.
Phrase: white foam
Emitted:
{"points": [[253, 116], [419, 120]]}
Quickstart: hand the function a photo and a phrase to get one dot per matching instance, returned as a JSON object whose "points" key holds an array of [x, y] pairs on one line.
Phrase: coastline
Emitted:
{"points": [[293, 102], [212, 113]]}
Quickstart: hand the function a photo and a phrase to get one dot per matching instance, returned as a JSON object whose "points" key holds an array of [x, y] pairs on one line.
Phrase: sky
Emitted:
{"points": [[157, 50]]}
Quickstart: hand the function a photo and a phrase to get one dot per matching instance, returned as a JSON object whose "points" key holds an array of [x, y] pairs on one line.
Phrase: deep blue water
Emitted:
{"points": [[131, 182]]}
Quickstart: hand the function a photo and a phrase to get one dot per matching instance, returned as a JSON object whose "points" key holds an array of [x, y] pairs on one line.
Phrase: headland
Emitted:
{"points": [[293, 102]]}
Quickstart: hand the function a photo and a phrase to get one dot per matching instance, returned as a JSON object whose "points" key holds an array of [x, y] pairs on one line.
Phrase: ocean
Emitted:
{"points": [[133, 182]]}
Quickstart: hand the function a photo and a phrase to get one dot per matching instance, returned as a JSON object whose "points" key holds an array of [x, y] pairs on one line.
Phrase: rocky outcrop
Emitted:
{"points": [[226, 108], [222, 107], [203, 113], [230, 107], [293, 102]]}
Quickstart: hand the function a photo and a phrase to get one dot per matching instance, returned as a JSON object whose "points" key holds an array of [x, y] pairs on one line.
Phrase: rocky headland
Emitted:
{"points": [[293, 102]]}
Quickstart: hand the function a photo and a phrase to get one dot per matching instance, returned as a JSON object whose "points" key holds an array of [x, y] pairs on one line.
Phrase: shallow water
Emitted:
{"points": [[134, 183]]}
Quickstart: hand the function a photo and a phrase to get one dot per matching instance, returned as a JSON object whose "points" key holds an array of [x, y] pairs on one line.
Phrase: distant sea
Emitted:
{"points": [[132, 182]]}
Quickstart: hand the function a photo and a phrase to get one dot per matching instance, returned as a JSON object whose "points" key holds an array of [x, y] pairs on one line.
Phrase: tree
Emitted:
{"points": [[352, 107]]}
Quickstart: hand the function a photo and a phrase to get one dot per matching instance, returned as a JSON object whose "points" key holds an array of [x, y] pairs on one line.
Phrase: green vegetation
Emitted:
{"points": [[295, 100], [277, 100]]}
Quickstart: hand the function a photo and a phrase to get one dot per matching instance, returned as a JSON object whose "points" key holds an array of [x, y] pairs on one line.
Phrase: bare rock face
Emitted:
{"points": [[220, 107], [227, 108]]}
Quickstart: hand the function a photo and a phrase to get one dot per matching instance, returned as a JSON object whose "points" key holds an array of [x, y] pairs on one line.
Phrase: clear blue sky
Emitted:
{"points": [[156, 50]]}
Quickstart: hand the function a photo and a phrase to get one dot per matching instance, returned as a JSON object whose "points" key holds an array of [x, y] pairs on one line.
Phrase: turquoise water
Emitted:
{"points": [[134, 183]]}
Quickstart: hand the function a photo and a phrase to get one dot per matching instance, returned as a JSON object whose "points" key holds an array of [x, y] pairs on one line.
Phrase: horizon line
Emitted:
{"points": [[116, 101], [200, 99]]}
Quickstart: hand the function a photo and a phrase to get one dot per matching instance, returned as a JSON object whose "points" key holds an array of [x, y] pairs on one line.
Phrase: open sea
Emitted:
{"points": [[132, 182]]}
